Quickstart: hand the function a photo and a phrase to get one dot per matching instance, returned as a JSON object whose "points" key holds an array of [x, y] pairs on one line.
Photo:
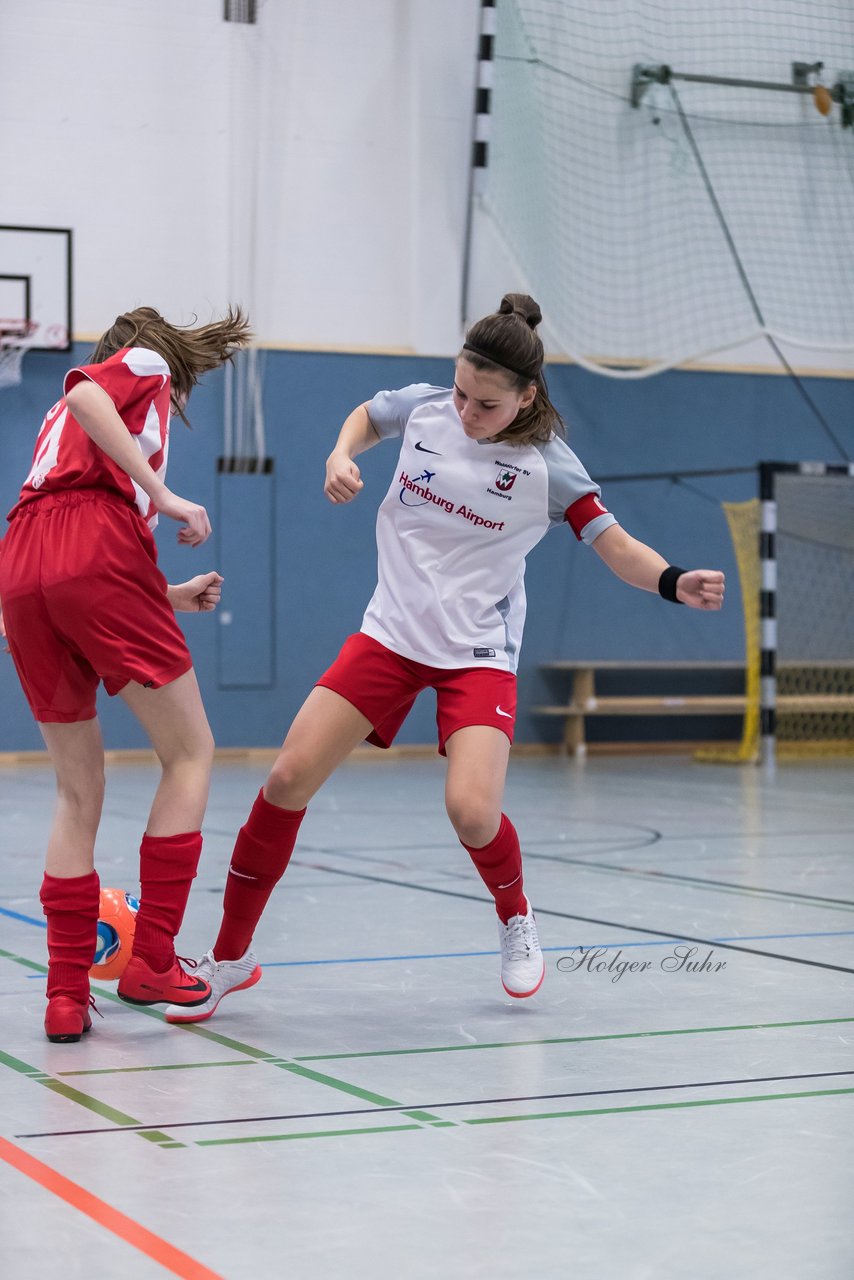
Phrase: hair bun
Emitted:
{"points": [[521, 305]]}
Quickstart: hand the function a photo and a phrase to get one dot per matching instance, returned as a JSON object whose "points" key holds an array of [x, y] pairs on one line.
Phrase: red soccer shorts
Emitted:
{"points": [[83, 601], [383, 686]]}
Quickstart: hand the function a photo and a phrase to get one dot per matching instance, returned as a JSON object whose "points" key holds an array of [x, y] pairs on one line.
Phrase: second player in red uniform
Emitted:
{"points": [[83, 604]]}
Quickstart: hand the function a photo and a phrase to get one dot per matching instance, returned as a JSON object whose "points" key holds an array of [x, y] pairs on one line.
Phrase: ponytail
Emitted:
{"points": [[507, 342], [188, 351]]}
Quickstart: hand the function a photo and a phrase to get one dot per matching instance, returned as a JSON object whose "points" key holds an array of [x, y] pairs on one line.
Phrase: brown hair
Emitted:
{"points": [[506, 342], [189, 352]]}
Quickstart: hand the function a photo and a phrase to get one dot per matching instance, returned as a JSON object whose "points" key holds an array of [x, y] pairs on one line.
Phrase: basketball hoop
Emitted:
{"points": [[15, 342]]}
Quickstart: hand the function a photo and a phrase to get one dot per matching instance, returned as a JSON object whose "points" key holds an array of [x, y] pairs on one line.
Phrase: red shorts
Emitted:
{"points": [[383, 686], [83, 601]]}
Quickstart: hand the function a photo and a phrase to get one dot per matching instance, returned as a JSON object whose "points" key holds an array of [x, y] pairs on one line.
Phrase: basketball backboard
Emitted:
{"points": [[36, 285]]}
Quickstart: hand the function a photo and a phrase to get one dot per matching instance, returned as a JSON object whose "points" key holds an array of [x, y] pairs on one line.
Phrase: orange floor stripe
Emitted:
{"points": [[174, 1260]]}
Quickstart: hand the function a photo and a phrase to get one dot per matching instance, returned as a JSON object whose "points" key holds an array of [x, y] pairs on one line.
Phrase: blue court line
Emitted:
{"points": [[605, 946], [16, 915], [468, 955]]}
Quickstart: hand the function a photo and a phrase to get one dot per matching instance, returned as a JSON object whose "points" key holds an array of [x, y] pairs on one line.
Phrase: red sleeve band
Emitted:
{"points": [[583, 511]]}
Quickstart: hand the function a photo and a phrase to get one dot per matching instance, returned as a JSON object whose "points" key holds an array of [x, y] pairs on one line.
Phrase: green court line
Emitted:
{"points": [[82, 1099], [524, 1044], [659, 1106], [423, 1118], [364, 1095], [377, 1099], [319, 1133], [27, 964], [546, 1115], [169, 1066], [225, 1041], [236, 1045]]}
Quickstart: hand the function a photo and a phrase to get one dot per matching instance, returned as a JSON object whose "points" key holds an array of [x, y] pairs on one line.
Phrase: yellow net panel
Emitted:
{"points": [[743, 520]]}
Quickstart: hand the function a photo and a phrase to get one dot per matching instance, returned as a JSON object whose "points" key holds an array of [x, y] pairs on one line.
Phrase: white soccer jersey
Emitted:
{"points": [[453, 531]]}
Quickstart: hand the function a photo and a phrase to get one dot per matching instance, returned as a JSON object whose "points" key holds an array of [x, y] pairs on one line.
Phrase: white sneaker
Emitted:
{"points": [[224, 977], [522, 964]]}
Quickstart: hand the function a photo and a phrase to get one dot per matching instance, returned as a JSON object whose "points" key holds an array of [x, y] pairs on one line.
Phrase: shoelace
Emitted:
{"points": [[519, 937], [93, 1006]]}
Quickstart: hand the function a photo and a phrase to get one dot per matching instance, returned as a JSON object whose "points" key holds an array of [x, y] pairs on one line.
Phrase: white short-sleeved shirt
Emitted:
{"points": [[453, 531], [138, 382]]}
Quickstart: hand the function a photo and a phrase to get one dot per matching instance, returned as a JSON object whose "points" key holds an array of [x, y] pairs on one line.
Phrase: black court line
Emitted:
{"points": [[437, 1106], [680, 879], [670, 935]]}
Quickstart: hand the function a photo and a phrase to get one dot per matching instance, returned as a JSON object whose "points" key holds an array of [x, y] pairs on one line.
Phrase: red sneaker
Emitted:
{"points": [[139, 984], [66, 1020]]}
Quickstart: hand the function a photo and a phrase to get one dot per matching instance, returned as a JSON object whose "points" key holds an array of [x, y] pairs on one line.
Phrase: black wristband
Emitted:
{"points": [[667, 583]]}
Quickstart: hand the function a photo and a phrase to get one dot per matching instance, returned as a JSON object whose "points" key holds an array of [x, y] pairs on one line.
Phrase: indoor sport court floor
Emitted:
{"points": [[377, 1107]]}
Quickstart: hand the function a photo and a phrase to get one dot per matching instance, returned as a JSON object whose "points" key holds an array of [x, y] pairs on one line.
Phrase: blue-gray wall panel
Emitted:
{"points": [[325, 555]]}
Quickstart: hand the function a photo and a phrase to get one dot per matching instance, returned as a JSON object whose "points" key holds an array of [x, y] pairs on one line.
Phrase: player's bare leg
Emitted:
{"points": [[326, 729], [174, 719]]}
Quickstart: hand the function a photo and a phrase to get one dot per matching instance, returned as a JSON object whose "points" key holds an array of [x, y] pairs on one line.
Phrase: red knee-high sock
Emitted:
{"points": [[499, 865], [167, 868], [261, 854], [71, 908]]}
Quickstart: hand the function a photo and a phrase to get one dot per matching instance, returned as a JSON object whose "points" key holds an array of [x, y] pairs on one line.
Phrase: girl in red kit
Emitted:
{"points": [[84, 602]]}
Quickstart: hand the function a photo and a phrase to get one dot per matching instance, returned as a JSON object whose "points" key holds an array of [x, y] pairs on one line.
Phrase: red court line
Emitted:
{"points": [[174, 1260]]}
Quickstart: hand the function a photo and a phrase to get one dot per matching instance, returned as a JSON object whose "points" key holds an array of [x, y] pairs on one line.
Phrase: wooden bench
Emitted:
{"points": [[584, 701]]}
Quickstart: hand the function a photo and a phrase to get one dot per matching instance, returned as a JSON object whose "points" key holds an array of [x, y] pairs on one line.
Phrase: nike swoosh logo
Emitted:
{"points": [[198, 985], [508, 714], [420, 447], [512, 882]]}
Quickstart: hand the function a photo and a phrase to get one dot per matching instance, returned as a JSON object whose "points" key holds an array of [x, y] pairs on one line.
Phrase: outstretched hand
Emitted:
{"points": [[701, 588], [200, 595]]}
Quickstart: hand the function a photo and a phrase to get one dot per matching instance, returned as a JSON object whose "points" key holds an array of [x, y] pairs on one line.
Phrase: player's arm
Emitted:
{"points": [[343, 479], [100, 419], [638, 565], [200, 595]]}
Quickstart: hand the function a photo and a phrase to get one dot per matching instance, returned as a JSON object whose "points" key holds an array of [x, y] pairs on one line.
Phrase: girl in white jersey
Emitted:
{"points": [[85, 603], [483, 473]]}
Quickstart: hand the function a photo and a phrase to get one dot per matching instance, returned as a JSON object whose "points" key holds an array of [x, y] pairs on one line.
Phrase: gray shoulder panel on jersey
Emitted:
{"points": [[568, 480], [389, 411]]}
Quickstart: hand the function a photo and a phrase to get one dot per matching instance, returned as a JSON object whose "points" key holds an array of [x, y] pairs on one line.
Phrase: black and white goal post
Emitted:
{"points": [[481, 136], [768, 612], [806, 552]]}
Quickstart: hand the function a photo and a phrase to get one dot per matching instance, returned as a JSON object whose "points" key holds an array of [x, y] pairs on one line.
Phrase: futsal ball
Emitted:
{"points": [[116, 926]]}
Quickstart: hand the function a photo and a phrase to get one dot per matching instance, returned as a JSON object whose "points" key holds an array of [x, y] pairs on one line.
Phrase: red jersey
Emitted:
{"points": [[138, 383]]}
